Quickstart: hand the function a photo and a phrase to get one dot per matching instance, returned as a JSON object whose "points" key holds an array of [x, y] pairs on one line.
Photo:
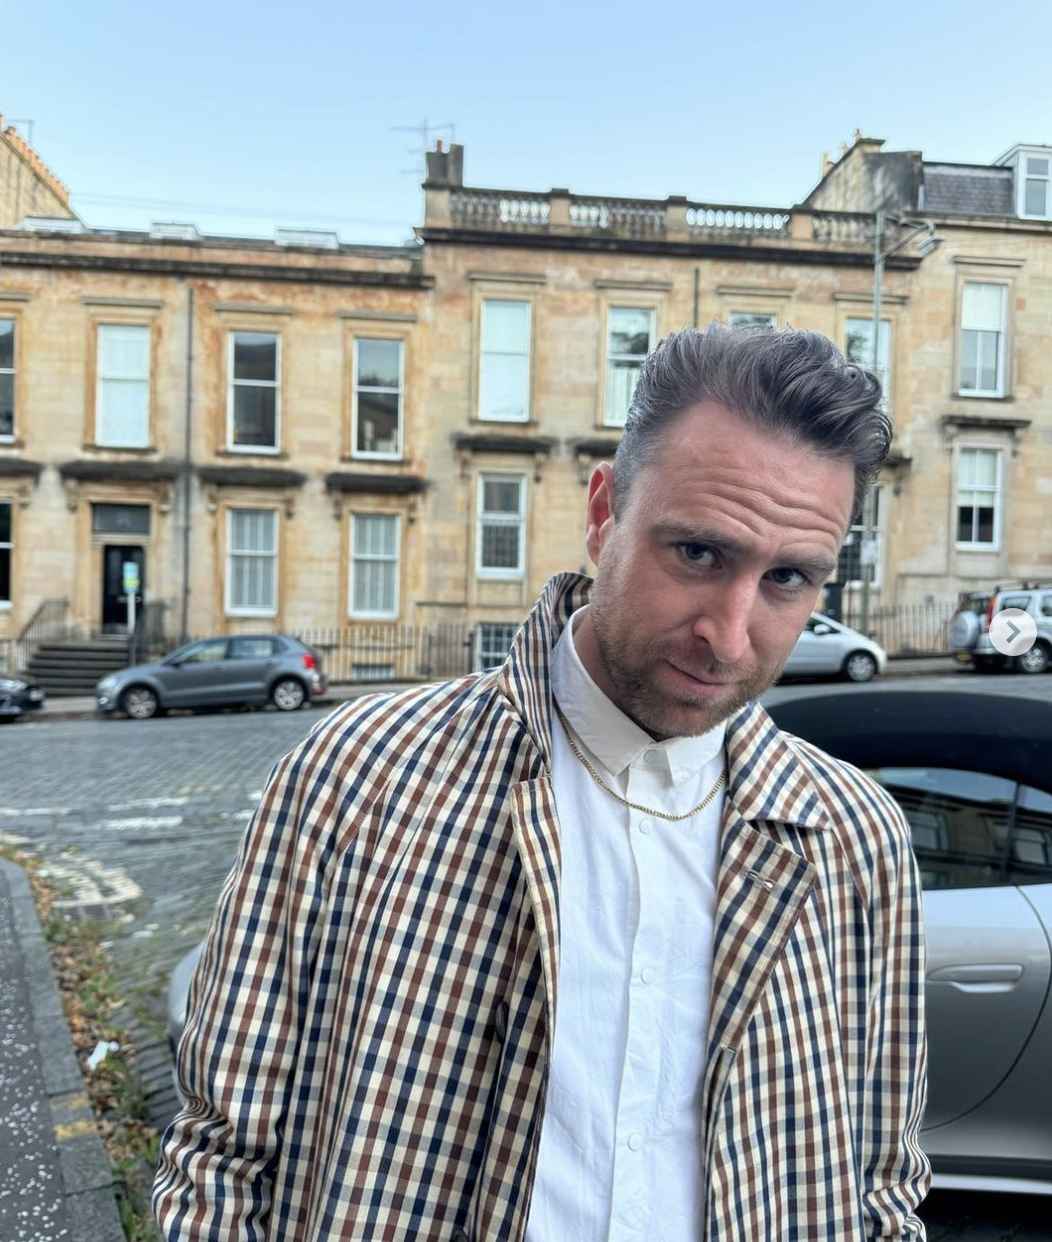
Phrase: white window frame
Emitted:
{"points": [[364, 614], [8, 546], [484, 518], [877, 498], [232, 447], [102, 380], [997, 491], [488, 301], [1023, 175], [356, 388], [884, 342], [12, 370], [243, 610], [609, 420], [481, 647], [1001, 386]]}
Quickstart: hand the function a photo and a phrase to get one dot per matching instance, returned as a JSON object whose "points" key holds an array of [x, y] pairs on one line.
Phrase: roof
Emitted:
{"points": [[970, 189]]}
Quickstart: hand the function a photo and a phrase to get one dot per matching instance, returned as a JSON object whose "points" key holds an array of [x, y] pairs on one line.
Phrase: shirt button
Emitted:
{"points": [[646, 975], [645, 825], [652, 756], [635, 1142]]}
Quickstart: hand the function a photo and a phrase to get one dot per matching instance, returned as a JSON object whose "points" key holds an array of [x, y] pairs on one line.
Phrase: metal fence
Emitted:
{"points": [[908, 629], [392, 652]]}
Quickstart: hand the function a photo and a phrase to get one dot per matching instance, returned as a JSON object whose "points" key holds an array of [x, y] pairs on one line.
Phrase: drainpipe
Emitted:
{"points": [[187, 479]]}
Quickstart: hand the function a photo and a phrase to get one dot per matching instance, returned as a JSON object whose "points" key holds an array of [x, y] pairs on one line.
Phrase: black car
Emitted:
{"points": [[20, 694], [972, 774]]}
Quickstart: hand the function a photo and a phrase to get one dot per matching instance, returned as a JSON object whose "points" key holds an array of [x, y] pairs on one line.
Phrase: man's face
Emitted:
{"points": [[708, 576]]}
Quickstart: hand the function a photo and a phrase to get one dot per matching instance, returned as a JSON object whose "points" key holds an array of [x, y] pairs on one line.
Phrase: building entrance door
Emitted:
{"points": [[114, 601]]}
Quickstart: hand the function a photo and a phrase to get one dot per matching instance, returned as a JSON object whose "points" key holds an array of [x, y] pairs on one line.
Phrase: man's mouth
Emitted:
{"points": [[703, 684]]}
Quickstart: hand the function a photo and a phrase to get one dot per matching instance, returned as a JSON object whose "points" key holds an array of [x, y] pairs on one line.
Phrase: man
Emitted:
{"points": [[586, 948]]}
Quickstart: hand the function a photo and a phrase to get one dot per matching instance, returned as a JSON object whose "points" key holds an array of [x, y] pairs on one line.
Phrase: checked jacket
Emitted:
{"points": [[366, 1053]]}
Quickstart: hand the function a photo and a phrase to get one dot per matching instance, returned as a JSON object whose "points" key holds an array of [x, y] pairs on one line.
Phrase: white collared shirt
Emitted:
{"points": [[620, 1156]]}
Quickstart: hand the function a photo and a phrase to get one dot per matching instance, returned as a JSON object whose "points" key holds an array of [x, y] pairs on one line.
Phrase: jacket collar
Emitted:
{"points": [[766, 778]]}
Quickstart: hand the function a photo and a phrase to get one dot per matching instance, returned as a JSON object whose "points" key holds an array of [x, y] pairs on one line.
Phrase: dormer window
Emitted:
{"points": [[1035, 199]]}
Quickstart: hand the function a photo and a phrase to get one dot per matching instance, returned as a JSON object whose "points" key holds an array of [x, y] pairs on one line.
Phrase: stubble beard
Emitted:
{"points": [[672, 713]]}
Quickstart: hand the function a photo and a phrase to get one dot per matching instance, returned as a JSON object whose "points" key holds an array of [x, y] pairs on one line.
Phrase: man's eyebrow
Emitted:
{"points": [[817, 566]]}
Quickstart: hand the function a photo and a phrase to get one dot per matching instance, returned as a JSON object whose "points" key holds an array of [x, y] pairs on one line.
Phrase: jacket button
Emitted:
{"points": [[500, 1021]]}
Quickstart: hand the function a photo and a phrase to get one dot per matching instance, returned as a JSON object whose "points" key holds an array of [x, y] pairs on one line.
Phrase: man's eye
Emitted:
{"points": [[698, 553], [786, 576]]}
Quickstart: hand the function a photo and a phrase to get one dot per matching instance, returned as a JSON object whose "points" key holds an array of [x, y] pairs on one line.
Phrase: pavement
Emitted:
{"points": [[56, 1184]]}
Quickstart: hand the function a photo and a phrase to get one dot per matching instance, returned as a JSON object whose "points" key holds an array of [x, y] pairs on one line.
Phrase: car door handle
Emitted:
{"points": [[975, 978]]}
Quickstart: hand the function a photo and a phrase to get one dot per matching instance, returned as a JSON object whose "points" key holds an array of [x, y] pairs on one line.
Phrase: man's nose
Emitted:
{"points": [[724, 621]]}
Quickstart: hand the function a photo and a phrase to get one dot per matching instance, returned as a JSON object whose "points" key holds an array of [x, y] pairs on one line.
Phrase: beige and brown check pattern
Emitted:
{"points": [[366, 1054]]}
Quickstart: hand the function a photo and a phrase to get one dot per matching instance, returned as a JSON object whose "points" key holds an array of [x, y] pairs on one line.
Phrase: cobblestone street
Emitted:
{"points": [[142, 821]]}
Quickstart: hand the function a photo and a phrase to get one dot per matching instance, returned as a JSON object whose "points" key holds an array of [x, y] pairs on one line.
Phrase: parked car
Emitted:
{"points": [[251, 669], [19, 695], [970, 627], [826, 648], [971, 772]]}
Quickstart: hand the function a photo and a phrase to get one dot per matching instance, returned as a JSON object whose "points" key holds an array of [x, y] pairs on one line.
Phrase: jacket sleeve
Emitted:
{"points": [[245, 1022], [895, 1171]]}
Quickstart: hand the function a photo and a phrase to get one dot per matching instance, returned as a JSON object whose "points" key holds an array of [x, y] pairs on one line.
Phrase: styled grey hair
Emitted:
{"points": [[793, 383]]}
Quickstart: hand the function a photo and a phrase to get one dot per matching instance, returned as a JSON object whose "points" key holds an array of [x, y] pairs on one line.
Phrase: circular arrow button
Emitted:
{"points": [[1013, 631]]}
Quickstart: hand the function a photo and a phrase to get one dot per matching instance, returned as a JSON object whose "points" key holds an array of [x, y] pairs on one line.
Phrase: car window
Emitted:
{"points": [[1030, 855], [204, 653], [1046, 605], [959, 822], [975, 603], [1014, 601], [251, 648]]}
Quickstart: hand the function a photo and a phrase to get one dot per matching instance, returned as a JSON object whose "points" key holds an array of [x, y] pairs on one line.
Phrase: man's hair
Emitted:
{"points": [[793, 384]]}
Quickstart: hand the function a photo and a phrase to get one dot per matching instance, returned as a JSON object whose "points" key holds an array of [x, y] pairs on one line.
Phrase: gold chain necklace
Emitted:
{"points": [[635, 806]]}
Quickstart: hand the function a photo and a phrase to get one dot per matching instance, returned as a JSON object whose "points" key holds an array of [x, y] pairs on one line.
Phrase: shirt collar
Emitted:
{"points": [[615, 740]]}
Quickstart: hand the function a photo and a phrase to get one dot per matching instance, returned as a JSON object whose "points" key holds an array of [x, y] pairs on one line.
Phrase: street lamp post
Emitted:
{"points": [[880, 253]]}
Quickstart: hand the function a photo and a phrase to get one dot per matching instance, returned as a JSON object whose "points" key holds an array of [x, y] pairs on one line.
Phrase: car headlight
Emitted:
{"points": [[10, 685], [107, 683]]}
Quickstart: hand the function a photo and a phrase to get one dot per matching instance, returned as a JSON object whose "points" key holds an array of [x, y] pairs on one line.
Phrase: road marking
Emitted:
{"points": [[35, 810], [144, 821], [147, 804]]}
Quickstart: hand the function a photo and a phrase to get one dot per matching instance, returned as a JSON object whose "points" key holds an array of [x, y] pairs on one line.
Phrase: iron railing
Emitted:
{"points": [[906, 629], [49, 624]]}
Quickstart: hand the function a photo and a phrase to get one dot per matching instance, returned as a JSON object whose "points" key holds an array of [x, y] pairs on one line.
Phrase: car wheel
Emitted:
{"points": [[139, 702], [860, 666], [1033, 661], [288, 694]]}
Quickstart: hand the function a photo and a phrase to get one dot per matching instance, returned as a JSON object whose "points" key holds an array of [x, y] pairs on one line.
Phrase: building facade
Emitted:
{"points": [[299, 433]]}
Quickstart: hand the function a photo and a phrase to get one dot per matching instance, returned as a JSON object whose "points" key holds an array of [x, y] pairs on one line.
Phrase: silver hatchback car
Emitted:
{"points": [[828, 648], [251, 669]]}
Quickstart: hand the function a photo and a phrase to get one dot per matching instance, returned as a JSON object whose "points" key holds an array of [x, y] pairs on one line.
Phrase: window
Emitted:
{"points": [[494, 643], [374, 565], [853, 552], [858, 348], [978, 498], [982, 339], [122, 386], [1035, 196], [629, 338], [504, 367], [252, 419], [7, 379], [5, 552], [960, 823], [501, 526], [749, 318], [377, 413], [207, 652], [252, 562], [253, 648]]}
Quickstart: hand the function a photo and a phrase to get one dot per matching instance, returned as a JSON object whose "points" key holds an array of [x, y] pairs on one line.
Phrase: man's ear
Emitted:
{"points": [[600, 514]]}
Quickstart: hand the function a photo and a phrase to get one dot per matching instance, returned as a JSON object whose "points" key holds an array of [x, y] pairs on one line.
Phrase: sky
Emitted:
{"points": [[243, 117]]}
